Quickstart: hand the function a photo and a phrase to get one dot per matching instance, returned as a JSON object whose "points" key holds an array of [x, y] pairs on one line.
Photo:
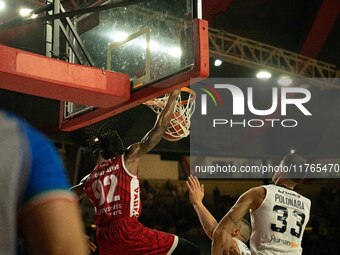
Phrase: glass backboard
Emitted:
{"points": [[159, 44]]}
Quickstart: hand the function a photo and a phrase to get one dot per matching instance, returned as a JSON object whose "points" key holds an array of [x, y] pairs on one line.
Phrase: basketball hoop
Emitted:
{"points": [[180, 122]]}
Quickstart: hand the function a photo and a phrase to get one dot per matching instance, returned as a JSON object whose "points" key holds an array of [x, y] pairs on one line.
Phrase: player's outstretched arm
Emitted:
{"points": [[196, 194], [152, 138], [79, 188], [251, 199]]}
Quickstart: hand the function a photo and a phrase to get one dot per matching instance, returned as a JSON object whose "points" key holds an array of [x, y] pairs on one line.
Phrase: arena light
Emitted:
{"points": [[175, 52], [119, 36], [218, 62], [154, 45], [263, 75], [2, 5], [26, 12], [292, 151], [284, 81]]}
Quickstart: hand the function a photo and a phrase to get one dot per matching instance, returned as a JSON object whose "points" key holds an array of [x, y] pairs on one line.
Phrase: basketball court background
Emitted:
{"points": [[285, 30]]}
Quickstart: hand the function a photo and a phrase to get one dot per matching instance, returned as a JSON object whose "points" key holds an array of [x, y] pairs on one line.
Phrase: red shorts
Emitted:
{"points": [[129, 237]]}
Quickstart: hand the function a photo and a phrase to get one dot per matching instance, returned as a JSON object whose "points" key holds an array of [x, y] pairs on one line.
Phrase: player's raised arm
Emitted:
{"points": [[221, 237], [196, 194], [152, 138]]}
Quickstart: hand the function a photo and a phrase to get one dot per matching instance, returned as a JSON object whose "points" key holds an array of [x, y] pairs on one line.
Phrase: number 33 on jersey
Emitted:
{"points": [[280, 220]]}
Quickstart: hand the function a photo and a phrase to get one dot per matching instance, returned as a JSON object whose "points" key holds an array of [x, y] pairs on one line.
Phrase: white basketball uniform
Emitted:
{"points": [[279, 222], [243, 248]]}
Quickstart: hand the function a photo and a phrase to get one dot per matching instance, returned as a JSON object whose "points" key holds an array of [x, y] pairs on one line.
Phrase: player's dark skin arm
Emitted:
{"points": [[152, 138]]}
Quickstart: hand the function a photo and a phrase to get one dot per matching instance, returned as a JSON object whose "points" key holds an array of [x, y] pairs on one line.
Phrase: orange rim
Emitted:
{"points": [[190, 91], [183, 102]]}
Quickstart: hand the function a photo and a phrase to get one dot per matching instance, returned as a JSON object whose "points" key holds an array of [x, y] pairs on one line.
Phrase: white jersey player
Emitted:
{"points": [[238, 236], [279, 222], [242, 247], [279, 216]]}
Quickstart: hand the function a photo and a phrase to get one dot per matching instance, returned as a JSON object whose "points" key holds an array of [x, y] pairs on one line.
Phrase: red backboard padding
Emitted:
{"points": [[38, 75]]}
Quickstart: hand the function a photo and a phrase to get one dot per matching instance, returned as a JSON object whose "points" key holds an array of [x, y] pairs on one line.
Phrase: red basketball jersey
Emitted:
{"points": [[114, 191]]}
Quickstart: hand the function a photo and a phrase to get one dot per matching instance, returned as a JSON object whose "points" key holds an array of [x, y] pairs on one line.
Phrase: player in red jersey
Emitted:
{"points": [[113, 188]]}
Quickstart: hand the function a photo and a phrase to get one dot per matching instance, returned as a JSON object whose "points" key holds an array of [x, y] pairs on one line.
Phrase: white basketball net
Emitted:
{"points": [[179, 125]]}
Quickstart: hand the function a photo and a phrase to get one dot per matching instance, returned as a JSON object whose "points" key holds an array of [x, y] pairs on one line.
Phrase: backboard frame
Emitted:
{"points": [[199, 70]]}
